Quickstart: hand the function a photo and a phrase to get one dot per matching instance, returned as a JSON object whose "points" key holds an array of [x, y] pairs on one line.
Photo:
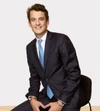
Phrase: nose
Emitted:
{"points": [[37, 22]]}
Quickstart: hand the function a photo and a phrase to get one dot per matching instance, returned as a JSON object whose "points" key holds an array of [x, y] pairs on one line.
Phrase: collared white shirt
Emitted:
{"points": [[42, 44]]}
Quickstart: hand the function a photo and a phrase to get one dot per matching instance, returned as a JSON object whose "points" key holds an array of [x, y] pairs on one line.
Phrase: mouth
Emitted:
{"points": [[38, 27]]}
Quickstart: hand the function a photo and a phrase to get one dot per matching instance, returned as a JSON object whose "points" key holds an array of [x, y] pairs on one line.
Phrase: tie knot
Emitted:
{"points": [[39, 41]]}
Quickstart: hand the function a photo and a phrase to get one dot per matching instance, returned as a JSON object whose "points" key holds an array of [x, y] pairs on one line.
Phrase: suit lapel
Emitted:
{"points": [[47, 48], [35, 51], [36, 59]]}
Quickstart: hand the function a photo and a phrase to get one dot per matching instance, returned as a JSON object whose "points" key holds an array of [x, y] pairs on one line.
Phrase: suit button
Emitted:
{"points": [[46, 79]]}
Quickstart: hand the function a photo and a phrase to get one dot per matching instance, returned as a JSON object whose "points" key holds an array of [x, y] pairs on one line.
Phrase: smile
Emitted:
{"points": [[38, 27]]}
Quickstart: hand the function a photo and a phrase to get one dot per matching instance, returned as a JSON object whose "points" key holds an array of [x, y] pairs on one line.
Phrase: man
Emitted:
{"points": [[57, 68]]}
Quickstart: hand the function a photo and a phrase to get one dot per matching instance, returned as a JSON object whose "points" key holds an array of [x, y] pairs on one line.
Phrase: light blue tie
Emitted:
{"points": [[41, 53], [49, 92], [41, 57]]}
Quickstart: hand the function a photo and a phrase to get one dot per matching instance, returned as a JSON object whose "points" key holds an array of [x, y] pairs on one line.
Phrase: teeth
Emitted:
{"points": [[37, 27]]}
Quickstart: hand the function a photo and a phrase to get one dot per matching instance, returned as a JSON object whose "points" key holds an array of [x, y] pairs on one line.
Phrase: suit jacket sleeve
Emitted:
{"points": [[34, 77], [71, 66]]}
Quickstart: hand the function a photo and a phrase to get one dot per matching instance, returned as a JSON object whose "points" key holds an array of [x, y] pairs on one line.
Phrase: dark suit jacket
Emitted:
{"points": [[61, 70]]}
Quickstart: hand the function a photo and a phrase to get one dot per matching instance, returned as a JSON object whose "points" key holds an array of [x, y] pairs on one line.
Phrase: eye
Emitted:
{"points": [[41, 18], [32, 19]]}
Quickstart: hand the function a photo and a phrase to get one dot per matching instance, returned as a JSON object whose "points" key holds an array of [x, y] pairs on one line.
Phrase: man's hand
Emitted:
{"points": [[36, 104], [55, 106]]}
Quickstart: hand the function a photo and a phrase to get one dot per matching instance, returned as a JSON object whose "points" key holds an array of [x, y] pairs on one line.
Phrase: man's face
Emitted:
{"points": [[38, 23]]}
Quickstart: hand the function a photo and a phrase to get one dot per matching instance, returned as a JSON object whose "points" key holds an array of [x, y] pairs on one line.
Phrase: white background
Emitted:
{"points": [[79, 19]]}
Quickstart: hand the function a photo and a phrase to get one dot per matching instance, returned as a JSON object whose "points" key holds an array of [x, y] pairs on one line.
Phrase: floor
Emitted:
{"points": [[85, 108]]}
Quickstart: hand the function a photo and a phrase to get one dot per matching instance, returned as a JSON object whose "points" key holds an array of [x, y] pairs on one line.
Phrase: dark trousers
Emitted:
{"points": [[26, 106]]}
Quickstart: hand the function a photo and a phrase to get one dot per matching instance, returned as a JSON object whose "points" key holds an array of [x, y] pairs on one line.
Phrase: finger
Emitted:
{"points": [[37, 109], [48, 105], [51, 109], [42, 105]]}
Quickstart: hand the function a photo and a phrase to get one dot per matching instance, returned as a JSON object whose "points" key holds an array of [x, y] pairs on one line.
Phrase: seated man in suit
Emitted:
{"points": [[53, 62]]}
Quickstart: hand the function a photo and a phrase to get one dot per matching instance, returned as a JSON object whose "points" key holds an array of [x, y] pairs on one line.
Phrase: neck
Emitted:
{"points": [[39, 36]]}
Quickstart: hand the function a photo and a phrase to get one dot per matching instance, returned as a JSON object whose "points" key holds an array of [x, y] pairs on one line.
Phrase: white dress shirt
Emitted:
{"points": [[42, 44]]}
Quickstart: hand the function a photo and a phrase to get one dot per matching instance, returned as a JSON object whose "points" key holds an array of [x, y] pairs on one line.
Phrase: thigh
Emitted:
{"points": [[25, 106], [74, 109]]}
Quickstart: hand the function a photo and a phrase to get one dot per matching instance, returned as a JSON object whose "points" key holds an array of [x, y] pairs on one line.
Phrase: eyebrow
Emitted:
{"points": [[38, 18]]}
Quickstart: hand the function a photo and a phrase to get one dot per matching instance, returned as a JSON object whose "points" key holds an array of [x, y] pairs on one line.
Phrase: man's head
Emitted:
{"points": [[38, 19], [37, 7]]}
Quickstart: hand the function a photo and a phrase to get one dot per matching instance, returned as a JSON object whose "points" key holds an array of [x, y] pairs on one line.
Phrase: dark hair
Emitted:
{"points": [[37, 7]]}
